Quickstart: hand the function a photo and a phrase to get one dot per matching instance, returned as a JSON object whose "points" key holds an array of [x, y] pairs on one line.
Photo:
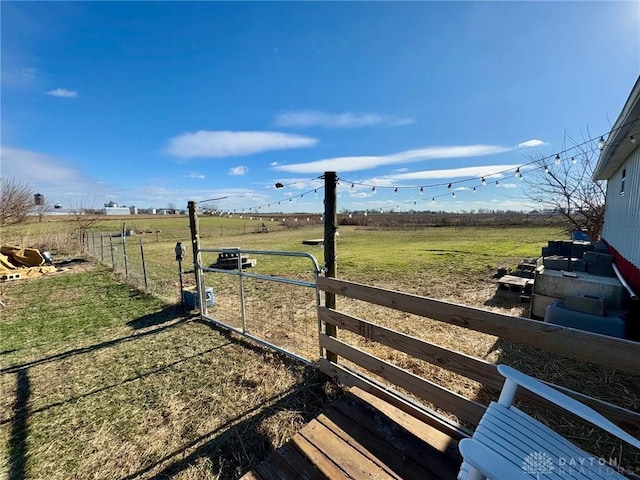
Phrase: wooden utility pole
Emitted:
{"points": [[330, 230], [195, 244]]}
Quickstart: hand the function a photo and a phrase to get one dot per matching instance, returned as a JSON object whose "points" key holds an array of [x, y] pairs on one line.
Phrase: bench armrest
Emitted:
{"points": [[565, 402]]}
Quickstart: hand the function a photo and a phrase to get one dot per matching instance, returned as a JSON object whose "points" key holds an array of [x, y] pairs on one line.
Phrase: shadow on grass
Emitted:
{"points": [[165, 315], [141, 376], [19, 424], [158, 318], [238, 444]]}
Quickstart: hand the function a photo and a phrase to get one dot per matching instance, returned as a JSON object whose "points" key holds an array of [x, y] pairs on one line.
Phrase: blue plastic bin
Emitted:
{"points": [[191, 299]]}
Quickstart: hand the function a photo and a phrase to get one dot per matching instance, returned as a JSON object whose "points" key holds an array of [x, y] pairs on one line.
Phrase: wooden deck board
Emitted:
{"points": [[363, 437]]}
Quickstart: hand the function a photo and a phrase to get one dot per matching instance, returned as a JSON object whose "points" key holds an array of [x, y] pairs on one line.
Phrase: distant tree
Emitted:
{"points": [[41, 210], [565, 186], [16, 201], [85, 216]]}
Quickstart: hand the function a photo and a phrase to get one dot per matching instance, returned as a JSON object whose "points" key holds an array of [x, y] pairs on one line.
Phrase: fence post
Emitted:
{"points": [[144, 266], [330, 229], [101, 246], [113, 263], [195, 244], [124, 255]]}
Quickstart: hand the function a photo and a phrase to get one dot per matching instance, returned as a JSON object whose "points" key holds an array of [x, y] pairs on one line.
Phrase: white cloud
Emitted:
{"points": [[487, 171], [351, 164], [273, 164], [17, 76], [508, 185], [36, 168], [196, 175], [531, 143], [239, 170], [62, 93], [303, 119], [219, 144]]}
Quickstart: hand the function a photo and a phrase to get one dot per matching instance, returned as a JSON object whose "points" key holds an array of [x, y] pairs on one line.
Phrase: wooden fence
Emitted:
{"points": [[619, 354]]}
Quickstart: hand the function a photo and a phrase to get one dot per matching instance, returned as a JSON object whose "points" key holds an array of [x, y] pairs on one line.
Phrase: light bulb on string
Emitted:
{"points": [[497, 183], [395, 190], [632, 139], [518, 174], [546, 169], [484, 182], [601, 143], [573, 160], [449, 187], [352, 185], [558, 159], [474, 190], [433, 200], [453, 194], [421, 190], [373, 189]]}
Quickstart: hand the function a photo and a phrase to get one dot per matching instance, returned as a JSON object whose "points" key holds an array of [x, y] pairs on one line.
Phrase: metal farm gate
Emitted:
{"points": [[277, 311]]}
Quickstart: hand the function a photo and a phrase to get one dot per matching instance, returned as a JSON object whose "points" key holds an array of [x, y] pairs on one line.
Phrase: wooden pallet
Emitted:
{"points": [[363, 437]]}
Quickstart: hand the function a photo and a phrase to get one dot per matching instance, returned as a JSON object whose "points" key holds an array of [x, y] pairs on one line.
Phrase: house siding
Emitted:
{"points": [[621, 229]]}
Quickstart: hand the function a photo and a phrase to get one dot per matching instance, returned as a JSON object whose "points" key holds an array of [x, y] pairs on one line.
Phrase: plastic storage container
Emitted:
{"points": [[191, 300]]}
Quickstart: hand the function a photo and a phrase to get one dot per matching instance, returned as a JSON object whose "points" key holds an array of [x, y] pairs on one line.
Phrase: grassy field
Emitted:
{"points": [[101, 381], [450, 263]]}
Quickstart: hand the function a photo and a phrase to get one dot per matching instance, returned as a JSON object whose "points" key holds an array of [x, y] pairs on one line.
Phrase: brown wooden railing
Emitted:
{"points": [[611, 352]]}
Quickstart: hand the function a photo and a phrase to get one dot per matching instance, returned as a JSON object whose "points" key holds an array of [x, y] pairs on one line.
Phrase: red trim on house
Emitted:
{"points": [[629, 271]]}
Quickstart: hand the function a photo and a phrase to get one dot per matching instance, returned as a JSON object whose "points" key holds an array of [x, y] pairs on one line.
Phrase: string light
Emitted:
{"points": [[573, 160], [453, 194], [395, 190], [632, 139], [558, 159], [373, 189], [449, 187], [484, 182], [601, 143], [421, 190], [546, 169], [497, 183], [474, 190], [518, 174]]}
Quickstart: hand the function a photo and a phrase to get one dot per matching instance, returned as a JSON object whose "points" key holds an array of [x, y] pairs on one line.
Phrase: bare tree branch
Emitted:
{"points": [[16, 201], [564, 186]]}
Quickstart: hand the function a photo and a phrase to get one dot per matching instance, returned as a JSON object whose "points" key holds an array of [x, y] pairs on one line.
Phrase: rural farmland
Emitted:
{"points": [[105, 380]]}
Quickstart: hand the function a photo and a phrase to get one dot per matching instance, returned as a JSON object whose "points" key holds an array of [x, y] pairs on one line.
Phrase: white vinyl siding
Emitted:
{"points": [[622, 213]]}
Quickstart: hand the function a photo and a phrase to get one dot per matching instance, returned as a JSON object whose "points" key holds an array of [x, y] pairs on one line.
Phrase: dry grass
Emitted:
{"points": [[136, 389], [449, 264]]}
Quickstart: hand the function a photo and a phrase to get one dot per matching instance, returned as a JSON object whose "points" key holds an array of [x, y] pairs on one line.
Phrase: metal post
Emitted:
{"points": [[241, 280], [195, 244], [101, 246], [144, 266], [330, 229], [124, 254], [113, 263]]}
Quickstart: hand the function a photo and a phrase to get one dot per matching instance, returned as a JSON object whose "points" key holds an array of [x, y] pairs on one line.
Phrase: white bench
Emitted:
{"points": [[508, 444]]}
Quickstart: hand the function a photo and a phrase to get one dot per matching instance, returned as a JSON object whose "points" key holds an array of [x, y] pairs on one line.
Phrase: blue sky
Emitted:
{"points": [[157, 103]]}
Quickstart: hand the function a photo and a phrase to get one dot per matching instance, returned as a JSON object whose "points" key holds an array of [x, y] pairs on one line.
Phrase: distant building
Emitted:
{"points": [[619, 165], [116, 210], [38, 199], [133, 210]]}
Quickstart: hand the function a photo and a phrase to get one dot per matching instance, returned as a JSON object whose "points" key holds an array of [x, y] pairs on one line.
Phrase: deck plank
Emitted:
{"points": [[361, 437]]}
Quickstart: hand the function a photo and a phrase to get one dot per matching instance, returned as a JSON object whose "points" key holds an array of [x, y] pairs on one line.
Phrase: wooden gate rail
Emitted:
{"points": [[598, 349]]}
